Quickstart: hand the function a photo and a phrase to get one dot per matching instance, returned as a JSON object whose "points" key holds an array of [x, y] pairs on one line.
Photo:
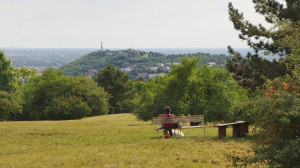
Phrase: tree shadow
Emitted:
{"points": [[246, 138]]}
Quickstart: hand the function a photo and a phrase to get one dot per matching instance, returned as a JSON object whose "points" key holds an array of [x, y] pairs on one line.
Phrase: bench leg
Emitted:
{"points": [[202, 129], [156, 130], [244, 128], [236, 130], [222, 132]]}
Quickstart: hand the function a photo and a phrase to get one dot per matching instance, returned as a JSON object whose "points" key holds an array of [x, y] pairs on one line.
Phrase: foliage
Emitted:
{"points": [[52, 91], [276, 117], [7, 76], [23, 75], [191, 89], [249, 71], [292, 41], [138, 59], [95, 97], [10, 108], [252, 71], [67, 108], [117, 83], [276, 113]]}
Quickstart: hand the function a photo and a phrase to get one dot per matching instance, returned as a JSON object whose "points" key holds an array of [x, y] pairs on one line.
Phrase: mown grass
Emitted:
{"points": [[112, 141]]}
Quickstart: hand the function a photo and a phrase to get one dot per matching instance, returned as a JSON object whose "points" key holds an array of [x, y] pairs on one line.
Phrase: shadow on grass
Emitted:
{"points": [[247, 138], [156, 137]]}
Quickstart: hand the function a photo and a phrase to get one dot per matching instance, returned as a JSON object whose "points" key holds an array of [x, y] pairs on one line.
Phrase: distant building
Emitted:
{"points": [[166, 68], [211, 64], [91, 72], [127, 69], [159, 65], [143, 75], [153, 75], [168, 65], [153, 68], [125, 65]]}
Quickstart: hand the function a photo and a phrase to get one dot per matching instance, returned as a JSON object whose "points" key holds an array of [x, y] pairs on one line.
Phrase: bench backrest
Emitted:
{"points": [[179, 119]]}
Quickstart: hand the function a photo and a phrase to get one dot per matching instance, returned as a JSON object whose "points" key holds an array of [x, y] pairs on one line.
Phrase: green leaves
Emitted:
{"points": [[118, 85], [10, 108], [192, 90], [252, 72], [7, 75], [55, 96]]}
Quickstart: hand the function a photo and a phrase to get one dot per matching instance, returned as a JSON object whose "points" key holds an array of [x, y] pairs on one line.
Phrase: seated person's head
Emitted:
{"points": [[168, 110]]}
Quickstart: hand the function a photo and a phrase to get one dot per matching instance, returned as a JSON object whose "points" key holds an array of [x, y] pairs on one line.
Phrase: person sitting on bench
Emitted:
{"points": [[168, 126]]}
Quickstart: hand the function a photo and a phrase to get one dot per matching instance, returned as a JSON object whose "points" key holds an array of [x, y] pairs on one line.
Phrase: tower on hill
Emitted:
{"points": [[101, 47]]}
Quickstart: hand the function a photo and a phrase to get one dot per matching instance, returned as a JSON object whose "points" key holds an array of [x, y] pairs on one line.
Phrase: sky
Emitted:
{"points": [[121, 23]]}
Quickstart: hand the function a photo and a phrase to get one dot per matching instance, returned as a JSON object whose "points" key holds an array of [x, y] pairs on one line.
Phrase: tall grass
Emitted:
{"points": [[111, 141]]}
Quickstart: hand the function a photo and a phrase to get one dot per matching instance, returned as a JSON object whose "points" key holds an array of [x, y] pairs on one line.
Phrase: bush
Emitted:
{"points": [[67, 108], [276, 117], [55, 96], [10, 108]]}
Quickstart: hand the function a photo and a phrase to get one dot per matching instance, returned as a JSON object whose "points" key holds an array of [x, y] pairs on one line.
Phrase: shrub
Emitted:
{"points": [[276, 117], [10, 108], [67, 108], [55, 96]]}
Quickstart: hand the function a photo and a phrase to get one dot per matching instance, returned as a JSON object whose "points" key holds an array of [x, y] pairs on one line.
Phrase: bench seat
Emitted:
{"points": [[188, 127], [180, 119]]}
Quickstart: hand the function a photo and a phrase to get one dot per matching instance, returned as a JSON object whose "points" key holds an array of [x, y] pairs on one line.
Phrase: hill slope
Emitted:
{"points": [[134, 62], [111, 141]]}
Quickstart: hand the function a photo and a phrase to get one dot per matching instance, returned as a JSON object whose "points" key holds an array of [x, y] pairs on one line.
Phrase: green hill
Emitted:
{"points": [[134, 62]]}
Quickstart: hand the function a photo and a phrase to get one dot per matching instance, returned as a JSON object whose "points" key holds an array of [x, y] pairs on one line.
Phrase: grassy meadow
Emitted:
{"points": [[118, 140]]}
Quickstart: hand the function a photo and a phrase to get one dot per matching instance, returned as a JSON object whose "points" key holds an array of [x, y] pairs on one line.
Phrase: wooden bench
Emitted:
{"points": [[240, 128], [179, 120]]}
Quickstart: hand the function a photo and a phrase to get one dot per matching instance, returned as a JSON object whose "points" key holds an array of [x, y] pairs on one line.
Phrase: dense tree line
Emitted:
{"points": [[24, 95], [192, 90]]}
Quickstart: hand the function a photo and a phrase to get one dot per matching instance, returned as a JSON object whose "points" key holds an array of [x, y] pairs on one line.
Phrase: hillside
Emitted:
{"points": [[135, 62], [112, 141]]}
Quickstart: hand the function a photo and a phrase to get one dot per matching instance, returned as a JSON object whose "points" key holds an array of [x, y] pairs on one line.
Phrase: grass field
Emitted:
{"points": [[112, 141]]}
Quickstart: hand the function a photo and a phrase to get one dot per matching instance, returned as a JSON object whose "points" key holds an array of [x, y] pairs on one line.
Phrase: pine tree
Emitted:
{"points": [[250, 72]]}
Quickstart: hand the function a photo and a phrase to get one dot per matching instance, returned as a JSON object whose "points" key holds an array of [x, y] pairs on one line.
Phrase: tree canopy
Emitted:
{"points": [[275, 112], [118, 85], [10, 109], [192, 90], [252, 71], [55, 96], [7, 77]]}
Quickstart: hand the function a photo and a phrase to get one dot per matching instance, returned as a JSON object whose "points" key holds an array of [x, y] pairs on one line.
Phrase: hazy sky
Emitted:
{"points": [[121, 23]]}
